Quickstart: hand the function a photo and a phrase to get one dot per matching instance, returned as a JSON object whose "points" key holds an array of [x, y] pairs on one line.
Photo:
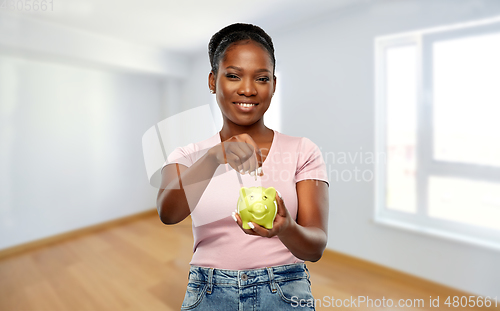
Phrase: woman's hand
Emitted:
{"points": [[282, 221], [240, 152]]}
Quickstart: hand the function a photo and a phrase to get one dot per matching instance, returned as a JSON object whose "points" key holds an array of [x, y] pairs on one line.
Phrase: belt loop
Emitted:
{"points": [[272, 283], [210, 280], [307, 271]]}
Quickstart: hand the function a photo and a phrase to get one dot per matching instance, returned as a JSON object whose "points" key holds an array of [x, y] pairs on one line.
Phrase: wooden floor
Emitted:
{"points": [[143, 265]]}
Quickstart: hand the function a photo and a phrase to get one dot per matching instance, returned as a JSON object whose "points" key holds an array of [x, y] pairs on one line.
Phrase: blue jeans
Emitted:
{"points": [[286, 287]]}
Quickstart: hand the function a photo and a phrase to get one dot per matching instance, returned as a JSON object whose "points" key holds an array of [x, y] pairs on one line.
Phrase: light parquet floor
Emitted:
{"points": [[143, 265]]}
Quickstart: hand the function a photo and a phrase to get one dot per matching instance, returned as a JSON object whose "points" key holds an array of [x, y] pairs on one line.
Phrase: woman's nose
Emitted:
{"points": [[247, 88]]}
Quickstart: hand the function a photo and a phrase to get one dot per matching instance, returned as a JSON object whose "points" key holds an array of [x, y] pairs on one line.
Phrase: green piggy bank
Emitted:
{"points": [[258, 205]]}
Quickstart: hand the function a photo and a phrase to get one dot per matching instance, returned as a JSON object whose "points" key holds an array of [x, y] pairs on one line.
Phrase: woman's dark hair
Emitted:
{"points": [[233, 33]]}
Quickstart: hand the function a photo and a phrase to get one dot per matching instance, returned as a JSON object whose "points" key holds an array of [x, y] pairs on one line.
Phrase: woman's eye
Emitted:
{"points": [[231, 76], [264, 79]]}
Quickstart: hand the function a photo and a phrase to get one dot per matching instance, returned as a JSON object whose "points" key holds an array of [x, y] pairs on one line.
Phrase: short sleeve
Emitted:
{"points": [[310, 163], [179, 155]]}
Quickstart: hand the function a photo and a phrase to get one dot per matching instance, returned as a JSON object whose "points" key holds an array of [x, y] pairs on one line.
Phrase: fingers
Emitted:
{"points": [[247, 158], [234, 158], [251, 164], [281, 205], [224, 152], [243, 154], [259, 230], [258, 156], [256, 229], [279, 195], [255, 161], [238, 220], [236, 154]]}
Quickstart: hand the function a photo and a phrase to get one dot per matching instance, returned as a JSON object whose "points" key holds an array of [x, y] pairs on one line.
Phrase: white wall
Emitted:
{"points": [[195, 88], [73, 109], [327, 69], [70, 147], [21, 35]]}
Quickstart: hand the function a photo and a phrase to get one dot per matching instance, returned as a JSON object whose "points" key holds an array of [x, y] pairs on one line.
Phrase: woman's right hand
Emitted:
{"points": [[241, 153]]}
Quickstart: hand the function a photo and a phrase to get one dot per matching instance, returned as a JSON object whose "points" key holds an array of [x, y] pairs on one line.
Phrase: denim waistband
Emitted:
{"points": [[245, 278]]}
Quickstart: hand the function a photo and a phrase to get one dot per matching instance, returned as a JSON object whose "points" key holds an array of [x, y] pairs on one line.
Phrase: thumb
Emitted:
{"points": [[281, 205]]}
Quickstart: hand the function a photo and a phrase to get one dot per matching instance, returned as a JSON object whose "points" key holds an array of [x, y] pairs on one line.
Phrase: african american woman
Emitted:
{"points": [[233, 268]]}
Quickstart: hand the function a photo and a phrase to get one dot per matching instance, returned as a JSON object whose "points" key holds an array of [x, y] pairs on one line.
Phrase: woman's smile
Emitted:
{"points": [[246, 106]]}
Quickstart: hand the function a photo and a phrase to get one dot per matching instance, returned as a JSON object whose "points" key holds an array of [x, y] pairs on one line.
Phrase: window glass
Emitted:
{"points": [[466, 103], [401, 82]]}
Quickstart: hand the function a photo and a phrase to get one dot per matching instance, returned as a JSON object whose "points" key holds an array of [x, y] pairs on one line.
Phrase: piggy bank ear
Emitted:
{"points": [[243, 192], [270, 192]]}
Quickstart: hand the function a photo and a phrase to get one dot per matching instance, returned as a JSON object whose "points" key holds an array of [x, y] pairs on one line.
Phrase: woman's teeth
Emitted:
{"points": [[245, 105]]}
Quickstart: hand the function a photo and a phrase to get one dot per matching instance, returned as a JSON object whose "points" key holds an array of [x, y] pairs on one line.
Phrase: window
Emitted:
{"points": [[438, 106]]}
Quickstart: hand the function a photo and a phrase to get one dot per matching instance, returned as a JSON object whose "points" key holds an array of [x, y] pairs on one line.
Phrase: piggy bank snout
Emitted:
{"points": [[259, 209]]}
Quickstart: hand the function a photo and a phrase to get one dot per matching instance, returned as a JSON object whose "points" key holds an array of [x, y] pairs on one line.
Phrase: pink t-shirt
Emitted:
{"points": [[218, 240]]}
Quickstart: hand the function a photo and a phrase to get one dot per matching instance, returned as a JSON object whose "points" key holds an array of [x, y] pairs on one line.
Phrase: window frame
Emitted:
{"points": [[426, 166]]}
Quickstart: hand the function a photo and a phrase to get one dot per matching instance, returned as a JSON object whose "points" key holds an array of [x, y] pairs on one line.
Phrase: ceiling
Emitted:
{"points": [[180, 26]]}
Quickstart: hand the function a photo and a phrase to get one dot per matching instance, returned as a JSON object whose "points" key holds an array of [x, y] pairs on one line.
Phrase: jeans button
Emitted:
{"points": [[244, 277]]}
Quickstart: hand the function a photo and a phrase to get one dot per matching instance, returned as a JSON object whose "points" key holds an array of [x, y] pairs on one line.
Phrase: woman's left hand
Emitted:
{"points": [[282, 221]]}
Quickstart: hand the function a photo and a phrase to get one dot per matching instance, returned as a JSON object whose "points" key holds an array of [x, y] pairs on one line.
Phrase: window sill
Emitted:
{"points": [[436, 233]]}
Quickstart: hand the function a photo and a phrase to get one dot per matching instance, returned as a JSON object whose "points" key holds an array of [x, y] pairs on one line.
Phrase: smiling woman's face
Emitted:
{"points": [[245, 83]]}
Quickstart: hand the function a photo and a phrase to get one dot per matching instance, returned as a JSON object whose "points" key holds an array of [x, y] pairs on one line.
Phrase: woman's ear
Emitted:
{"points": [[211, 81]]}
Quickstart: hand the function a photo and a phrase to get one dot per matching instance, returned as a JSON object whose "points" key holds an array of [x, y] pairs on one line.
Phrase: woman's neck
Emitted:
{"points": [[258, 131]]}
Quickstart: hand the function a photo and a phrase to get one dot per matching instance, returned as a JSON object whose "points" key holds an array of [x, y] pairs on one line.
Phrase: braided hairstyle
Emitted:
{"points": [[231, 34]]}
